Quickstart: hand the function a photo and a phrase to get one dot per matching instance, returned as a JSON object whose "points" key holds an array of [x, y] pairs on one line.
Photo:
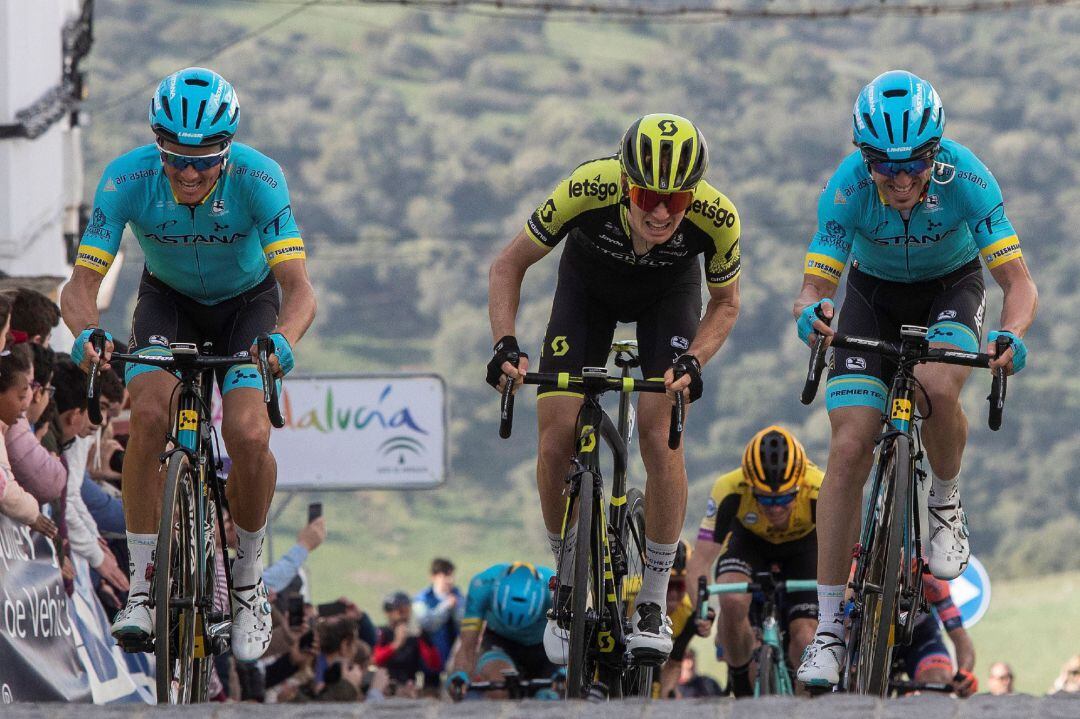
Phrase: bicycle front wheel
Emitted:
{"points": [[579, 666], [766, 677], [175, 586], [877, 633], [637, 680]]}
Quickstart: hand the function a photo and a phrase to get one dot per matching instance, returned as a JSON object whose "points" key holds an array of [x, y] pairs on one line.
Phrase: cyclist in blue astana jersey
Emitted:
{"points": [[505, 619], [913, 212], [215, 222]]}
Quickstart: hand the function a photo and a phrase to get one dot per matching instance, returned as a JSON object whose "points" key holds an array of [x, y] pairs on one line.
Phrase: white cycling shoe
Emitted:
{"points": [[556, 643], [650, 637], [133, 625], [251, 624], [821, 661], [949, 550]]}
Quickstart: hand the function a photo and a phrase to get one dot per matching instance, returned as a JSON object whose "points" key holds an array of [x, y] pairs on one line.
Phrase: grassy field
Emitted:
{"points": [[381, 541], [1031, 624]]}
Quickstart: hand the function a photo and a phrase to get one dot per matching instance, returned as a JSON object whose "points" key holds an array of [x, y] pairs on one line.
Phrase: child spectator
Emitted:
{"points": [[33, 316], [16, 372]]}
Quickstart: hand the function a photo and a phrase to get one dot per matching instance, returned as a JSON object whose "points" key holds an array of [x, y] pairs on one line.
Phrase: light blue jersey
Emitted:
{"points": [[960, 216], [480, 603], [210, 252]]}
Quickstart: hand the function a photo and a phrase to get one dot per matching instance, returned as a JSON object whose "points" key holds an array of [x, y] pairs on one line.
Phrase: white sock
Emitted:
{"points": [[941, 490], [831, 609], [556, 543], [247, 567], [658, 560], [140, 561]]}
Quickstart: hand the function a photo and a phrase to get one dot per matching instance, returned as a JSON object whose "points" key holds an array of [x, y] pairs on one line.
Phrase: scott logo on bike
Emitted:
{"points": [[587, 439]]}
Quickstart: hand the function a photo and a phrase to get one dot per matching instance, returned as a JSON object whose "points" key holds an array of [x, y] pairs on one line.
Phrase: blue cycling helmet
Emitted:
{"points": [[897, 116], [195, 106], [520, 596]]}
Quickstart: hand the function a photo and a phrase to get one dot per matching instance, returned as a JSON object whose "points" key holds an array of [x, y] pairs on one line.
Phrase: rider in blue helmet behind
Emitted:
{"points": [[913, 211], [503, 630]]}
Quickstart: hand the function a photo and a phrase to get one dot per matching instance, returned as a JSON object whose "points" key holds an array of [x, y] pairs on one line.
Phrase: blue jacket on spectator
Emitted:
{"points": [[441, 621]]}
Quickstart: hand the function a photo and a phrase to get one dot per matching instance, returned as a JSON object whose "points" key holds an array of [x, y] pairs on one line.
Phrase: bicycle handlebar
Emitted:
{"points": [[171, 362], [516, 686], [706, 590], [564, 380], [997, 388], [892, 350], [906, 686], [93, 390]]}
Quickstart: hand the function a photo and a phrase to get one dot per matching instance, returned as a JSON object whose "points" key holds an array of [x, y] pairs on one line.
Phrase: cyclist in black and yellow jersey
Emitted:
{"points": [[760, 515], [634, 224]]}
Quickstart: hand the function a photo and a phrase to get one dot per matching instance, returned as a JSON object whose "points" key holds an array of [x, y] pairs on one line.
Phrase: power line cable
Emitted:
{"points": [[110, 105], [549, 9]]}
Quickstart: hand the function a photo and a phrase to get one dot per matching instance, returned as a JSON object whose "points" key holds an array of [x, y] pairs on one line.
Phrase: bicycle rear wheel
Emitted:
{"points": [[637, 680], [579, 666], [175, 586], [877, 633]]}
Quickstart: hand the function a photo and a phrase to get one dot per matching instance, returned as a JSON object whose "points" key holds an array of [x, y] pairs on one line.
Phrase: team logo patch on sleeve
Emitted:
{"points": [[290, 249], [710, 508]]}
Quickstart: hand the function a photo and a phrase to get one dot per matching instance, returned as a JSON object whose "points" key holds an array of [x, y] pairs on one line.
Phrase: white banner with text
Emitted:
{"points": [[362, 432]]}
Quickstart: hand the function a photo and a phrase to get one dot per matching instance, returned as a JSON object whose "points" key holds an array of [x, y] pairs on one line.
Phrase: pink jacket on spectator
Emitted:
{"points": [[15, 501], [37, 469]]}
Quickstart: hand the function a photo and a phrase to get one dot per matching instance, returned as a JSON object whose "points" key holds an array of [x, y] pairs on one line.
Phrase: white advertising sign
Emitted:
{"points": [[362, 432]]}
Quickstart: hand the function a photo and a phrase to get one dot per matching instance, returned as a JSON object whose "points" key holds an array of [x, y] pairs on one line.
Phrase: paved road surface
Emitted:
{"points": [[829, 707]]}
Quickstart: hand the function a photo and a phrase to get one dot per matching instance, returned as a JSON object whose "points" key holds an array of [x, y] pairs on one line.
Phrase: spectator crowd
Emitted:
{"points": [[60, 476]]}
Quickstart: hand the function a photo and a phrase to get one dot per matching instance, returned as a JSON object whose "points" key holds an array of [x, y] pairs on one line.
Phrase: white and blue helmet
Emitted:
{"points": [[195, 106], [897, 116], [520, 596]]}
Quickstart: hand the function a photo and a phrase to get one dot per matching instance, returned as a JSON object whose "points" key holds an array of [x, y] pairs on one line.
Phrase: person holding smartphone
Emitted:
{"points": [[278, 575]]}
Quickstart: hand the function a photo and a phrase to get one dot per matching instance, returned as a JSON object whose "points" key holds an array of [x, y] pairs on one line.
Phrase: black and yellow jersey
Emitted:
{"points": [[590, 209], [732, 498]]}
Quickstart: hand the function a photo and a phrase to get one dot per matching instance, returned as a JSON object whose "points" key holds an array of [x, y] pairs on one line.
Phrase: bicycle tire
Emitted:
{"points": [[766, 677], [878, 625], [204, 665], [638, 679], [579, 668], [174, 586]]}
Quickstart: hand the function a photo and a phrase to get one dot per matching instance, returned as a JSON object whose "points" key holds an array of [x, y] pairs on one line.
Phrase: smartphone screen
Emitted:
{"points": [[314, 511], [331, 609]]}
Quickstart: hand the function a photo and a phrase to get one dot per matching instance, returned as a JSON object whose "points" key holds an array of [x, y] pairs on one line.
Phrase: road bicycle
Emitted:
{"points": [[190, 629], [609, 554], [773, 672], [887, 582]]}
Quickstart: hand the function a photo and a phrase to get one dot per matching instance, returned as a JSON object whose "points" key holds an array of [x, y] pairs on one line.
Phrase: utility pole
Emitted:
{"points": [[41, 171]]}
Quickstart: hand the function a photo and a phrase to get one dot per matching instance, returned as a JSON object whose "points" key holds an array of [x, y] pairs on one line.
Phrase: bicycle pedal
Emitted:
{"points": [[135, 644]]}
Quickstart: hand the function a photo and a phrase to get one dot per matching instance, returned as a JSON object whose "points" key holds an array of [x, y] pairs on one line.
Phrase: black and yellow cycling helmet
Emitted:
{"points": [[664, 153], [774, 462]]}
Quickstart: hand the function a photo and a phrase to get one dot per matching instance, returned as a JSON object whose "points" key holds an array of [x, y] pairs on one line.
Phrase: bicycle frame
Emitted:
{"points": [[192, 435], [610, 631]]}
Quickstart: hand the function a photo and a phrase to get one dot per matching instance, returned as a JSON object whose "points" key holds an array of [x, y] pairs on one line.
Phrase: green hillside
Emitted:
{"points": [[416, 143]]}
